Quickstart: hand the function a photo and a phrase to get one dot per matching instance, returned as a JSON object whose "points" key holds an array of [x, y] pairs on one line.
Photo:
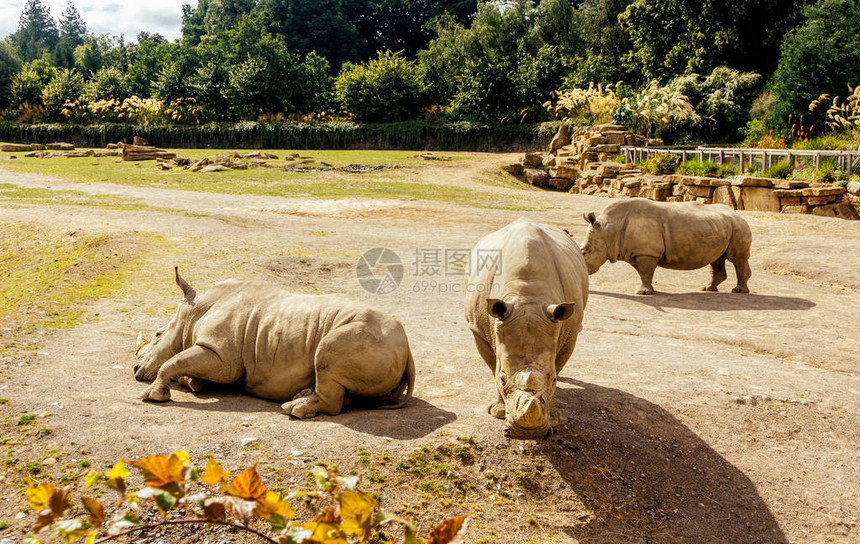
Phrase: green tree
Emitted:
{"points": [[388, 88], [27, 88], [820, 56], [673, 37], [10, 64], [221, 15], [37, 30], [73, 30], [109, 83], [193, 22], [66, 86], [149, 57]]}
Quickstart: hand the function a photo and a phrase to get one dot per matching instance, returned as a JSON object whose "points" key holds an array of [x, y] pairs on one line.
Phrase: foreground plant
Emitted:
{"points": [[344, 513]]}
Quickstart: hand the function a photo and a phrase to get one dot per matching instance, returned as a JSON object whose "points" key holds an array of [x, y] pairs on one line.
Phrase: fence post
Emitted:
{"points": [[817, 160], [741, 162]]}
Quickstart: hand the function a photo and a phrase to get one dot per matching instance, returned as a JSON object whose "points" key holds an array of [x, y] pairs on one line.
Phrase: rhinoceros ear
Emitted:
{"points": [[498, 308], [590, 218], [560, 312], [189, 291]]}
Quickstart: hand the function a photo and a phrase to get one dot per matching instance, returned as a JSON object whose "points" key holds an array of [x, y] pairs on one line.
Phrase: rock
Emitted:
{"points": [[271, 156], [181, 161], [654, 142], [252, 155], [789, 201], [560, 184], [596, 140], [608, 169], [143, 153], [198, 165], [616, 138], [796, 209], [532, 159], [724, 195], [561, 139], [820, 200], [606, 128], [609, 149], [842, 210], [21, 148], [163, 166], [590, 190], [853, 187], [536, 177], [515, 168], [701, 181], [747, 181], [549, 160], [760, 199], [87, 153], [832, 190], [213, 168], [789, 184], [60, 146], [564, 172], [139, 140], [249, 440], [111, 146]]}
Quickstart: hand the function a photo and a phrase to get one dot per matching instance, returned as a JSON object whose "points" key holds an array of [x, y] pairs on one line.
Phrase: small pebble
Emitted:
{"points": [[249, 440]]}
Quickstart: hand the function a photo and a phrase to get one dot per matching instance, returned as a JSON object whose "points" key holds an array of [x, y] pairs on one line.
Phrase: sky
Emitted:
{"points": [[109, 16]]}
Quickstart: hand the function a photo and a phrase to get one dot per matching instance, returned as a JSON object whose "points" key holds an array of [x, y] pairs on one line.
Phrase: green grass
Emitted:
{"points": [[402, 183]]}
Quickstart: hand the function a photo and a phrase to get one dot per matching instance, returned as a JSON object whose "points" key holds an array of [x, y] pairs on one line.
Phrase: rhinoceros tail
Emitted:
{"points": [[404, 390]]}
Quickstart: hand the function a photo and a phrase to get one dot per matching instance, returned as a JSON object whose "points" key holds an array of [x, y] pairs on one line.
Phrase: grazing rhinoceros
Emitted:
{"points": [[308, 350], [527, 332], [676, 235]]}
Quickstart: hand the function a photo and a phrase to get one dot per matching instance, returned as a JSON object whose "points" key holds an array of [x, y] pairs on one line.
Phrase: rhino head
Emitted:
{"points": [[595, 250], [526, 333], [167, 340]]}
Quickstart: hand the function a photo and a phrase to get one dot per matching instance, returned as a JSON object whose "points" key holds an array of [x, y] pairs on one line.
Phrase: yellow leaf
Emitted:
{"points": [[91, 478], [38, 496], [118, 471], [91, 538], [182, 456], [325, 533], [356, 509], [273, 505], [159, 471], [213, 473], [247, 485]]}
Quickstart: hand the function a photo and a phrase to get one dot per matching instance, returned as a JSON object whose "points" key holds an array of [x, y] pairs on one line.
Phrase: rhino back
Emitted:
{"points": [[682, 235]]}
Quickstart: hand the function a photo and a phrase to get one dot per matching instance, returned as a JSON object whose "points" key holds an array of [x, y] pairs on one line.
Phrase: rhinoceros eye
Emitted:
{"points": [[503, 378]]}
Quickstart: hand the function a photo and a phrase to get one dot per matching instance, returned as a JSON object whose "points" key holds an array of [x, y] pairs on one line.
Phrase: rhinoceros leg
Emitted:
{"points": [[194, 362], [742, 268], [718, 274], [497, 407], [646, 267]]}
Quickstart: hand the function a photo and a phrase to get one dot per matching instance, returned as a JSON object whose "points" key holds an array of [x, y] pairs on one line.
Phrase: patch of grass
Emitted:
{"points": [[26, 419], [4, 401], [461, 452], [393, 184]]}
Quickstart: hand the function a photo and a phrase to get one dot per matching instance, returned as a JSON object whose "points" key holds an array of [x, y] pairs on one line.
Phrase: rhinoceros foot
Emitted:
{"points": [[711, 288], [645, 291], [302, 407], [497, 409], [157, 392], [741, 290]]}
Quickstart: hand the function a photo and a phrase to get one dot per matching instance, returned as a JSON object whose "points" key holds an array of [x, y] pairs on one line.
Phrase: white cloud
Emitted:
{"points": [[114, 18]]}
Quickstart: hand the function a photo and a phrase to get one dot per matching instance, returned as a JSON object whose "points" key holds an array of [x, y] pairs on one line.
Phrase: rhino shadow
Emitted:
{"points": [[417, 419], [646, 477], [714, 302]]}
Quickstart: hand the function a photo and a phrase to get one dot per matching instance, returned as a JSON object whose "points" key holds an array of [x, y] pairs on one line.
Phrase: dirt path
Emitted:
{"points": [[688, 416]]}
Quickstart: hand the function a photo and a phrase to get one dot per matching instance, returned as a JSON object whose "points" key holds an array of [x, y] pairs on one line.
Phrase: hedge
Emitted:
{"points": [[411, 135]]}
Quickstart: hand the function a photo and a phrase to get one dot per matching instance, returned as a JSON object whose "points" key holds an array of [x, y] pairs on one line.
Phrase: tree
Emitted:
{"points": [[221, 15], [72, 26], [193, 24], [387, 88], [820, 56], [26, 88], [10, 64], [37, 30], [66, 86], [109, 83], [673, 37]]}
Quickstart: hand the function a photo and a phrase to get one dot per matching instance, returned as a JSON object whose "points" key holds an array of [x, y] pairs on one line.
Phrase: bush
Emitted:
{"points": [[727, 170], [66, 86], [654, 110], [108, 84], [26, 88], [662, 164], [695, 168], [388, 88], [779, 170]]}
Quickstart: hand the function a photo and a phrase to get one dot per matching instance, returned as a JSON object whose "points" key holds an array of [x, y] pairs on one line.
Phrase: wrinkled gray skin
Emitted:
{"points": [[676, 235], [313, 353], [525, 315]]}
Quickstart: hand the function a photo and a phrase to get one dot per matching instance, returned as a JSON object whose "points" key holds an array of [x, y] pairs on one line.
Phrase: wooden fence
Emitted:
{"points": [[760, 159]]}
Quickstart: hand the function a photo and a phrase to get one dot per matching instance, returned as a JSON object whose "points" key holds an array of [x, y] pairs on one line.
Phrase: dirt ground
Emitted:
{"points": [[687, 416]]}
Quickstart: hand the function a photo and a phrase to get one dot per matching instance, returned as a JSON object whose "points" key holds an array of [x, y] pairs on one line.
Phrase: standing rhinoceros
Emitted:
{"points": [[312, 351], [676, 235], [527, 331]]}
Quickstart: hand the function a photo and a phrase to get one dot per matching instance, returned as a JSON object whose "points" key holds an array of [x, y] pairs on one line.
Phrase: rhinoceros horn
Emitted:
{"points": [[189, 291], [140, 341]]}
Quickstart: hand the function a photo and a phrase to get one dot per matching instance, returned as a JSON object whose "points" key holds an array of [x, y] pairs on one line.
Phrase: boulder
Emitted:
{"points": [[532, 159], [616, 138], [829, 190], [561, 139], [560, 184], [842, 210], [853, 187], [536, 177], [140, 140], [724, 195], [60, 146], [564, 171], [747, 181], [213, 168], [796, 209], [515, 168], [21, 148], [759, 199]]}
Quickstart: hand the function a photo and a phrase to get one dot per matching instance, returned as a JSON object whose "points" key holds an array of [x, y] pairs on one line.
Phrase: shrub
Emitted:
{"points": [[695, 168], [594, 105], [26, 88], [654, 110], [727, 170], [779, 170], [388, 88], [662, 164], [66, 86], [108, 83]]}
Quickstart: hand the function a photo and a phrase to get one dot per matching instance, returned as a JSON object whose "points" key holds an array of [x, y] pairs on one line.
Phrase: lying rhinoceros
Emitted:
{"points": [[676, 235], [311, 351], [527, 331]]}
